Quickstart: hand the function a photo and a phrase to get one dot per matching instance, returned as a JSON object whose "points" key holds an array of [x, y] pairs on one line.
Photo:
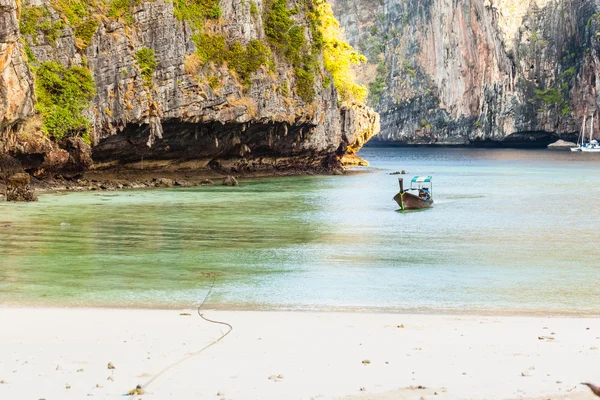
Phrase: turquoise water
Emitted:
{"points": [[511, 231]]}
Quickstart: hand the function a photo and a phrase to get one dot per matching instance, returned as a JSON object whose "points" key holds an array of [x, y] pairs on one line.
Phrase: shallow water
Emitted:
{"points": [[511, 231]]}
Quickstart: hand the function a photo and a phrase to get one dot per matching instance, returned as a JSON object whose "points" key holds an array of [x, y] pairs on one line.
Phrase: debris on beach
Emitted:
{"points": [[401, 326], [365, 362], [547, 338], [111, 365], [362, 389], [276, 378], [185, 314], [68, 386], [137, 391]]}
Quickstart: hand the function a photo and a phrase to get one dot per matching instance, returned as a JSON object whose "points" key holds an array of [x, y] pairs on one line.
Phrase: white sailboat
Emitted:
{"points": [[592, 146], [581, 136]]}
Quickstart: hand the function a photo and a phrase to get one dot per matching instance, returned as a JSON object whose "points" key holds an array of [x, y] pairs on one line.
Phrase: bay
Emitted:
{"points": [[512, 231]]}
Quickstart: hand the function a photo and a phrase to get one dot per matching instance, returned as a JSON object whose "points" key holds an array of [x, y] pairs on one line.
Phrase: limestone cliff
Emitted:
{"points": [[231, 84], [477, 71]]}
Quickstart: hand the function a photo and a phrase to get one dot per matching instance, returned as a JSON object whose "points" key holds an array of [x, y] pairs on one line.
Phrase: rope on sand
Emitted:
{"points": [[141, 388]]}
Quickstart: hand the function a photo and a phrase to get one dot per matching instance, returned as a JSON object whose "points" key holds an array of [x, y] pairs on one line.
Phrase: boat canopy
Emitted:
{"points": [[421, 179]]}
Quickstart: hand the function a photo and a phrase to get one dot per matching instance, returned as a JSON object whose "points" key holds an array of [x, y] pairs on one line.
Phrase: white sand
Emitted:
{"points": [[317, 355]]}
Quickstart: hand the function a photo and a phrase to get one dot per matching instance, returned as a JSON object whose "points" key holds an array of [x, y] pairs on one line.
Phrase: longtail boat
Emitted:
{"points": [[422, 199]]}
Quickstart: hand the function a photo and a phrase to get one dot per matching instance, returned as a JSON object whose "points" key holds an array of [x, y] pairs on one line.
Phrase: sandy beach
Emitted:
{"points": [[64, 354]]}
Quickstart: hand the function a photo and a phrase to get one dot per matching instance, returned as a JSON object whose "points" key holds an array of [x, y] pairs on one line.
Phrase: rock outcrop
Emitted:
{"points": [[18, 188], [477, 71], [156, 86]]}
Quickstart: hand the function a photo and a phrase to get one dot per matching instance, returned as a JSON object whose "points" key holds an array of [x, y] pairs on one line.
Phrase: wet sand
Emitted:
{"points": [[64, 354]]}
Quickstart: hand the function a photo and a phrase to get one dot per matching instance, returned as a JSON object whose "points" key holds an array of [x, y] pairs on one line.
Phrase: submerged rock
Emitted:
{"points": [[230, 181]]}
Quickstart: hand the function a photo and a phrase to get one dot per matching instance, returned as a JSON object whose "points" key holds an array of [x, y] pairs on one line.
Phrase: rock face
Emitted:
{"points": [[477, 71], [157, 104], [16, 82]]}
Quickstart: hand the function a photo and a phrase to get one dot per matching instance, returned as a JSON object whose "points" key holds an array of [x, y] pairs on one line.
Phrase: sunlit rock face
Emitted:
{"points": [[16, 82], [473, 71]]}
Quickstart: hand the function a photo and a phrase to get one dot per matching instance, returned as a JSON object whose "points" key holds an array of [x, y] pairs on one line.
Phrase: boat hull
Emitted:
{"points": [[412, 202]]}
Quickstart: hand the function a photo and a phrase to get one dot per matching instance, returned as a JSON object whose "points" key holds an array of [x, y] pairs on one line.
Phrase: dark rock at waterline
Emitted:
{"points": [[182, 183], [162, 182], [21, 195], [230, 181], [18, 188], [207, 182]]}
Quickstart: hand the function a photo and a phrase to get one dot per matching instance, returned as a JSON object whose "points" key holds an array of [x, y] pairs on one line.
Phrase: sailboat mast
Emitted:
{"points": [[582, 132], [592, 128]]}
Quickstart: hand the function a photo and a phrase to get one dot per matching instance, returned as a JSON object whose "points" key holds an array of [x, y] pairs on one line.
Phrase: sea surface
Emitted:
{"points": [[512, 231]]}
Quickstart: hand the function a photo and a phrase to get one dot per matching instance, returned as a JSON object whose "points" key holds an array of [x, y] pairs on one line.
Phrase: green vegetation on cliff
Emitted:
{"points": [[246, 61], [291, 40], [85, 31], [338, 55], [210, 47], [195, 12], [62, 94], [147, 63], [35, 20], [377, 87]]}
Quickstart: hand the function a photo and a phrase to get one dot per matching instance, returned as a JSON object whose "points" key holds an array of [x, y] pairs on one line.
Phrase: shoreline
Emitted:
{"points": [[293, 355], [131, 179], [434, 312]]}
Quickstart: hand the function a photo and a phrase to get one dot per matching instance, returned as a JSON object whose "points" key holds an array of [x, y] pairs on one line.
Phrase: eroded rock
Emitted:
{"points": [[230, 181], [19, 190]]}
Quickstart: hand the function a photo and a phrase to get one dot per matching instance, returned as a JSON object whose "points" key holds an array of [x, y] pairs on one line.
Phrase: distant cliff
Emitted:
{"points": [[233, 84], [473, 71]]}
